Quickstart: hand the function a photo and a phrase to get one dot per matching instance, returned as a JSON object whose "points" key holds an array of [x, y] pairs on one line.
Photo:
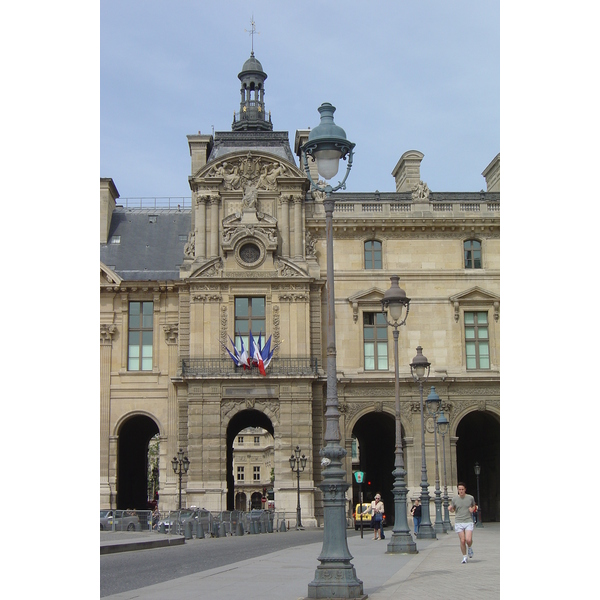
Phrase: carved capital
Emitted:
{"points": [[171, 333], [106, 334]]}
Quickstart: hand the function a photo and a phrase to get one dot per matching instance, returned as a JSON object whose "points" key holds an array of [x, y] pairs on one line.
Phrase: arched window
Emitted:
{"points": [[373, 254], [472, 254]]}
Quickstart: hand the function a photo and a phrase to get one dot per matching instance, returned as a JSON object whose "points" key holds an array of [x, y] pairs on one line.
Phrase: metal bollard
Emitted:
{"points": [[215, 530], [240, 529], [188, 530], [200, 531], [282, 526], [270, 526], [263, 527], [161, 528], [222, 530]]}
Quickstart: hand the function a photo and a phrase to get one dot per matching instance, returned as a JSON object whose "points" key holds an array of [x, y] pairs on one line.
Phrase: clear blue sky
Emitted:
{"points": [[403, 76]]}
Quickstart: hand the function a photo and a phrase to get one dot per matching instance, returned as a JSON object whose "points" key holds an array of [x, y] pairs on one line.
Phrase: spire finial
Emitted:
{"points": [[252, 32]]}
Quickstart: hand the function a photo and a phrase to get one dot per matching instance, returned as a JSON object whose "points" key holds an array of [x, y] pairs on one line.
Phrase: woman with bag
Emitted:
{"points": [[376, 509]]}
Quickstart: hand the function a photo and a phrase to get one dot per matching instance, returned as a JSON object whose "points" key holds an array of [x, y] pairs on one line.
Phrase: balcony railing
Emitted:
{"points": [[224, 367]]}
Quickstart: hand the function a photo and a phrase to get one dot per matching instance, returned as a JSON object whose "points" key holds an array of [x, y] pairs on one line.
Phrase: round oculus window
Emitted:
{"points": [[249, 253]]}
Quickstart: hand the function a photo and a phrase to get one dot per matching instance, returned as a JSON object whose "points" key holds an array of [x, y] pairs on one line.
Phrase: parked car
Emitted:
{"points": [[176, 519], [123, 520], [365, 518]]}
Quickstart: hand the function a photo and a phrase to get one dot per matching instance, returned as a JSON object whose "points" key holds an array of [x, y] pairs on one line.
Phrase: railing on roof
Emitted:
{"points": [[160, 202], [224, 367]]}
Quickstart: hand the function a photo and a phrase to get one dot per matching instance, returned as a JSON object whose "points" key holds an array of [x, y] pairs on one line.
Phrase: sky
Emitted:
{"points": [[403, 76]]}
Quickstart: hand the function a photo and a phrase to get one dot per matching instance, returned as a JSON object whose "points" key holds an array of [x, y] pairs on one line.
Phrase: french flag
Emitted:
{"points": [[258, 359]]}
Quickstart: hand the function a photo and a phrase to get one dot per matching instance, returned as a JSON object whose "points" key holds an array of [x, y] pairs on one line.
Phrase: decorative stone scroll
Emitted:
{"points": [[106, 333]]}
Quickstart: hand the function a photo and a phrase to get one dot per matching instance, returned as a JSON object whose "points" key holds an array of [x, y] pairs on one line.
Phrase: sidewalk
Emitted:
{"points": [[435, 572]]}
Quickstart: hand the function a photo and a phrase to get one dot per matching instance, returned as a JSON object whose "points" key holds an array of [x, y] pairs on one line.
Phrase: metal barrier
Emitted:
{"points": [[125, 520]]}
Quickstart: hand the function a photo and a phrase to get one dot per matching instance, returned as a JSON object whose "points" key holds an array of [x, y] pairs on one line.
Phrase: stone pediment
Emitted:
{"points": [[108, 277], [370, 299], [237, 171], [286, 268], [211, 268], [475, 297]]}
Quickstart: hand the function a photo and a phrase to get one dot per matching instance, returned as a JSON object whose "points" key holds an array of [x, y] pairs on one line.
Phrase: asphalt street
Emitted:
{"points": [[131, 570]]}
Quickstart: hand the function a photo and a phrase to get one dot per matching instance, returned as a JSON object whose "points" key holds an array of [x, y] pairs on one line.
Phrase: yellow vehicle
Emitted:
{"points": [[358, 516]]}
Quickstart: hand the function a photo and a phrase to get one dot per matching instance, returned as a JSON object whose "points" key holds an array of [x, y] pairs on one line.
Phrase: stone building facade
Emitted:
{"points": [[178, 284]]}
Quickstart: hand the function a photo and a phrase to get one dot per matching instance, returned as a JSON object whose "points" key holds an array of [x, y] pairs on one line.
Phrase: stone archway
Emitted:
{"points": [[240, 421], [376, 436], [478, 441], [132, 461]]}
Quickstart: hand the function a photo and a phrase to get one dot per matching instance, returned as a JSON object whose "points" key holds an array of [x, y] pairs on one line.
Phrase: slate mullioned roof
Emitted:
{"points": [[151, 243]]}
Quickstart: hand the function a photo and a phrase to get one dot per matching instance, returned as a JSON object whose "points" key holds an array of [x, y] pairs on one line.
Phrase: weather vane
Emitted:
{"points": [[252, 32]]}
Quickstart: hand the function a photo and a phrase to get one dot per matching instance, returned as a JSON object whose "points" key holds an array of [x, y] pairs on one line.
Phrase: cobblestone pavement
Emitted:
{"points": [[435, 572]]}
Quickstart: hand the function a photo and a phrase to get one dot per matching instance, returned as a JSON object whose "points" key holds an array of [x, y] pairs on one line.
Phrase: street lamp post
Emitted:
{"points": [[335, 577], [433, 406], [297, 464], [443, 426], [180, 464], [477, 473], [397, 304], [419, 368]]}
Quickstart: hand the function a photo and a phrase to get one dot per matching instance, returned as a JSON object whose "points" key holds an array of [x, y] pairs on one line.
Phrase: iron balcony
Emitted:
{"points": [[224, 367]]}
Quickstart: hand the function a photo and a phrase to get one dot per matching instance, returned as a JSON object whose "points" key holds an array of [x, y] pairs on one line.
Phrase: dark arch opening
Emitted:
{"points": [[479, 441], [243, 419], [376, 436], [132, 462]]}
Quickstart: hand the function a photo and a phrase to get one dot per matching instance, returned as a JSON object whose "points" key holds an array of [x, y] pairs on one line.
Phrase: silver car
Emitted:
{"points": [[122, 520]]}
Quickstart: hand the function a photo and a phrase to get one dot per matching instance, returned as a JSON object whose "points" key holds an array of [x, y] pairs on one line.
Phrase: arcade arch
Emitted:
{"points": [[134, 434], [375, 433], [478, 440], [239, 422]]}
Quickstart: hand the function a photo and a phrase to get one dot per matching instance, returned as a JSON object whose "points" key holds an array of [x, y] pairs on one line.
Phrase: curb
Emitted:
{"points": [[128, 546]]}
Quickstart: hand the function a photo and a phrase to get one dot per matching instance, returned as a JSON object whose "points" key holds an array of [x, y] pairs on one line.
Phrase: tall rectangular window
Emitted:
{"points": [[141, 316], [375, 335], [249, 316], [256, 473], [240, 473], [477, 340], [373, 255], [472, 254]]}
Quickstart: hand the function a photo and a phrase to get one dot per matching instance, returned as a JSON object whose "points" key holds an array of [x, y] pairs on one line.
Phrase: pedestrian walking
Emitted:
{"points": [[464, 506], [376, 509], [415, 511]]}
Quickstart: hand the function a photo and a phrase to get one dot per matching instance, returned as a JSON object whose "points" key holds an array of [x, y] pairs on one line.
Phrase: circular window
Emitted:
{"points": [[249, 253]]}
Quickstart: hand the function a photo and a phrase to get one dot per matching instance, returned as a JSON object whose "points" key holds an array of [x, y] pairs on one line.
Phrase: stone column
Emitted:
{"points": [[106, 335], [214, 226], [200, 227], [284, 230], [298, 227], [171, 480]]}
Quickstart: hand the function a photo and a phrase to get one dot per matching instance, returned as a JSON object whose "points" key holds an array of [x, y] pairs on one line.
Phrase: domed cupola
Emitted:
{"points": [[252, 115]]}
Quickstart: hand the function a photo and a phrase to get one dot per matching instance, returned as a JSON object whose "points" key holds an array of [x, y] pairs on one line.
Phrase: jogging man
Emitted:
{"points": [[464, 506]]}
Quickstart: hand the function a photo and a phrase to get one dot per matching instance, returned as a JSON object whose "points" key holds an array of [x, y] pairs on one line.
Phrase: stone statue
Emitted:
{"points": [[190, 246], [421, 192], [250, 198]]}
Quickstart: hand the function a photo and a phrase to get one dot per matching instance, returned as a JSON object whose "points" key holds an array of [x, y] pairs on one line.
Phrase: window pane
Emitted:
{"points": [[382, 360], [133, 364], [369, 333], [146, 351], [134, 338], [369, 357], [477, 263], [484, 362], [368, 318], [381, 333], [147, 338], [258, 307], [484, 350], [241, 307], [258, 326], [381, 319], [469, 318], [470, 333], [377, 264], [134, 321], [146, 364], [147, 321], [134, 308], [482, 333], [482, 318]]}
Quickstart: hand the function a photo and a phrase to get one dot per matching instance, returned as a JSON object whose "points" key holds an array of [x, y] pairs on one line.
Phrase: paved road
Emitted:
{"points": [[131, 570]]}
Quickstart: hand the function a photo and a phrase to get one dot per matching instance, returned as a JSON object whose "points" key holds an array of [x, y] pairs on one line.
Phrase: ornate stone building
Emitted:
{"points": [[178, 284]]}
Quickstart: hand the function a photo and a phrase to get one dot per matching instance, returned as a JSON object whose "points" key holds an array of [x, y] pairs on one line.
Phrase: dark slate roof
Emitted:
{"points": [[274, 142], [150, 248]]}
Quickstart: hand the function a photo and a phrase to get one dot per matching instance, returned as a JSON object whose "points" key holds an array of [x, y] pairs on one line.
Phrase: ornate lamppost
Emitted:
{"points": [[433, 405], [180, 464], [477, 473], [297, 464], [443, 427], [419, 368], [335, 577], [397, 306]]}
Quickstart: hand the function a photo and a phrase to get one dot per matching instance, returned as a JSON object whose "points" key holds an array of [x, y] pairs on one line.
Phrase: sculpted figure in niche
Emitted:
{"points": [[230, 173], [310, 244], [421, 191], [190, 246], [250, 198]]}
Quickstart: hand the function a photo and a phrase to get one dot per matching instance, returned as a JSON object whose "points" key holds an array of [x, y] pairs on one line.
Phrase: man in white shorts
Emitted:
{"points": [[464, 506]]}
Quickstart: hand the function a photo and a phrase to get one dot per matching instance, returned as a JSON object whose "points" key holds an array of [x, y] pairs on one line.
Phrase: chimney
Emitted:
{"points": [[301, 139], [407, 171], [108, 197], [492, 175], [200, 149]]}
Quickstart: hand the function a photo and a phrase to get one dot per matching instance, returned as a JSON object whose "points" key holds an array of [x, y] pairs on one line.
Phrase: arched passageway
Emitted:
{"points": [[243, 419], [479, 441], [376, 436], [132, 462]]}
